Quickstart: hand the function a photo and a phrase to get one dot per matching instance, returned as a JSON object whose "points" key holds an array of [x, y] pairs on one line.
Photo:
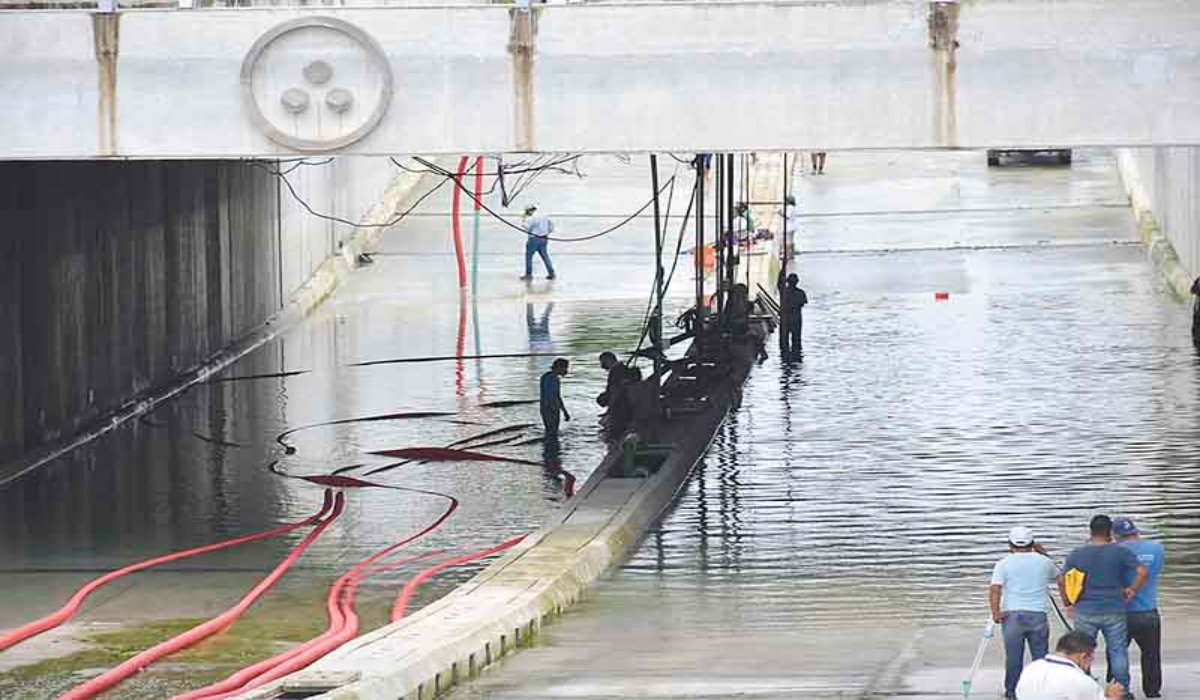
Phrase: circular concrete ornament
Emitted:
{"points": [[318, 72], [316, 104]]}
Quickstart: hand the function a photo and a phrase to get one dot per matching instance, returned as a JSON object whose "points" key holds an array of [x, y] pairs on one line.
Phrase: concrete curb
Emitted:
{"points": [[1159, 247], [505, 606], [309, 296]]}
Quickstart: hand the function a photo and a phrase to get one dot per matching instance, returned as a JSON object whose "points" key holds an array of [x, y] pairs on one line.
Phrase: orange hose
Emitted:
{"points": [[455, 210], [411, 587], [340, 609], [68, 610], [110, 678]]}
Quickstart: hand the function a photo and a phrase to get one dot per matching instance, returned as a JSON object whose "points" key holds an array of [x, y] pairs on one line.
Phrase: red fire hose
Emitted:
{"points": [[138, 662], [455, 210], [411, 587], [343, 621], [72, 605]]}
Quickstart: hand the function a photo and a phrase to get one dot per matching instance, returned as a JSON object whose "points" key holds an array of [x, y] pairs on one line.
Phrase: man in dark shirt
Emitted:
{"points": [[551, 397], [794, 301], [1100, 608], [1196, 313]]}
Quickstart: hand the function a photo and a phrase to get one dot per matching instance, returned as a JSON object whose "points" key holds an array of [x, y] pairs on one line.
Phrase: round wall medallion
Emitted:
{"points": [[316, 84]]}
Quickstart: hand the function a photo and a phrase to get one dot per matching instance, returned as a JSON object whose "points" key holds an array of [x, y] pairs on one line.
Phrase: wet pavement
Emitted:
{"points": [[839, 535]]}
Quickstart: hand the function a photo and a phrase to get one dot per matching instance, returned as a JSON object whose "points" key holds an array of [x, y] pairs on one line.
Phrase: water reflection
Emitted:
{"points": [[538, 327]]}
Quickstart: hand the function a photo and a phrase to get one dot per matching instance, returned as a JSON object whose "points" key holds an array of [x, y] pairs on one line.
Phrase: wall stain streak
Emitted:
{"points": [[943, 39], [522, 35], [106, 38]]}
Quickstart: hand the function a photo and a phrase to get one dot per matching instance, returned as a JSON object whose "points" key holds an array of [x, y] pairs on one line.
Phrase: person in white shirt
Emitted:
{"points": [[1064, 675]]}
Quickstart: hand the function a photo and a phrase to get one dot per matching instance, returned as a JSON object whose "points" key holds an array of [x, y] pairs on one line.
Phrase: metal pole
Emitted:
{"points": [[719, 245], [783, 248], [656, 319], [699, 250], [730, 213]]}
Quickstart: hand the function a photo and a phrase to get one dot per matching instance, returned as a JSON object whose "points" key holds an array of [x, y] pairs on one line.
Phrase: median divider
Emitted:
{"points": [[504, 606]]}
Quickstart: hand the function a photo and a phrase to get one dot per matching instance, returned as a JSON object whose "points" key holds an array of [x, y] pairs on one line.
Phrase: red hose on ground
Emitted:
{"points": [[135, 664], [343, 626], [340, 609], [455, 210], [410, 588], [68, 610]]}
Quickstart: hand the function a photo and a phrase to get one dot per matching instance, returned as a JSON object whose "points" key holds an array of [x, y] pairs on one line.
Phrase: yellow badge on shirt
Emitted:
{"points": [[1073, 584]]}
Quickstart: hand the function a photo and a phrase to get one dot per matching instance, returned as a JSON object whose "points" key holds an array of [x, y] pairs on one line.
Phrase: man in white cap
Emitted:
{"points": [[1018, 601]]}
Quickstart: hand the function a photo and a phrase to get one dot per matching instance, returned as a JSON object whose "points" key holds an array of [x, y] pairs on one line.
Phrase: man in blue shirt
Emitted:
{"points": [[1145, 626], [551, 397], [1100, 607], [1018, 600], [537, 229]]}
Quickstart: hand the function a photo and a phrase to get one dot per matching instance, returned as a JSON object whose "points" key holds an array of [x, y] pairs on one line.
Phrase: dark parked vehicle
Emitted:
{"points": [[1061, 156]]}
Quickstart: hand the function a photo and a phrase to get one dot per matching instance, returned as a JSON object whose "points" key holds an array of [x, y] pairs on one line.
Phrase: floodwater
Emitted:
{"points": [[839, 535], [838, 539], [196, 470]]}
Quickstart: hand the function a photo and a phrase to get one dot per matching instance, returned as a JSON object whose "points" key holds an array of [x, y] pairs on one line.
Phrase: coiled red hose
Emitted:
{"points": [[68, 610], [138, 662], [411, 587], [343, 621]]}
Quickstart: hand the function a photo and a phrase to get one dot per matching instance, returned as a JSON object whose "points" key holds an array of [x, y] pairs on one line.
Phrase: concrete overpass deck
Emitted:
{"points": [[614, 77]]}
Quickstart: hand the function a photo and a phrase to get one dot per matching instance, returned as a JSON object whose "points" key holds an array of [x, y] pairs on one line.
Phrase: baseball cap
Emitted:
{"points": [[1020, 536], [1123, 527]]}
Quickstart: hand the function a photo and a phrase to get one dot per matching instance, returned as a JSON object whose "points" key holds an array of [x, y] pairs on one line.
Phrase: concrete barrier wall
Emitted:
{"points": [[1162, 186], [117, 278]]}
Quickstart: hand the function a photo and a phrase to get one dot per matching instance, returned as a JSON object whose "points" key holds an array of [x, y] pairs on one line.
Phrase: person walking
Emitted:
{"points": [[818, 162], [551, 402], [1099, 607], [792, 324], [790, 224], [1018, 600], [537, 231], [1145, 625], [1066, 674]]}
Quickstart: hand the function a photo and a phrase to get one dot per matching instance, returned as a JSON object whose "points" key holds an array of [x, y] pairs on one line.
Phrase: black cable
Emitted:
{"points": [[562, 239], [295, 195], [645, 328]]}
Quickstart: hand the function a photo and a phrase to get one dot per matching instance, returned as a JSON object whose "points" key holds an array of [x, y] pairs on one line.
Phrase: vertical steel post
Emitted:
{"points": [[656, 319], [699, 250], [719, 242], [730, 214], [783, 248]]}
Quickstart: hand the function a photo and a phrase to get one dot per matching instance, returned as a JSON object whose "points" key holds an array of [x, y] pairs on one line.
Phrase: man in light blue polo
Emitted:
{"points": [[1141, 612], [1018, 601]]}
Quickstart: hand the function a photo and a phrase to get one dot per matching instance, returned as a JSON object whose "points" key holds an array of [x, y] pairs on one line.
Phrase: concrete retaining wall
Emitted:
{"points": [[1162, 187], [124, 280]]}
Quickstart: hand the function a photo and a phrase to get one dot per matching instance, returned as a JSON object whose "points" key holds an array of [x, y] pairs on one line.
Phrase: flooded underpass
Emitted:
{"points": [[838, 537]]}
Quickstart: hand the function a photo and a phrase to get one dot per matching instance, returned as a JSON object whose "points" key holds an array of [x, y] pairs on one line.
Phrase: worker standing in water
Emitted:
{"points": [[551, 398], [792, 324], [1196, 313], [537, 231]]}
